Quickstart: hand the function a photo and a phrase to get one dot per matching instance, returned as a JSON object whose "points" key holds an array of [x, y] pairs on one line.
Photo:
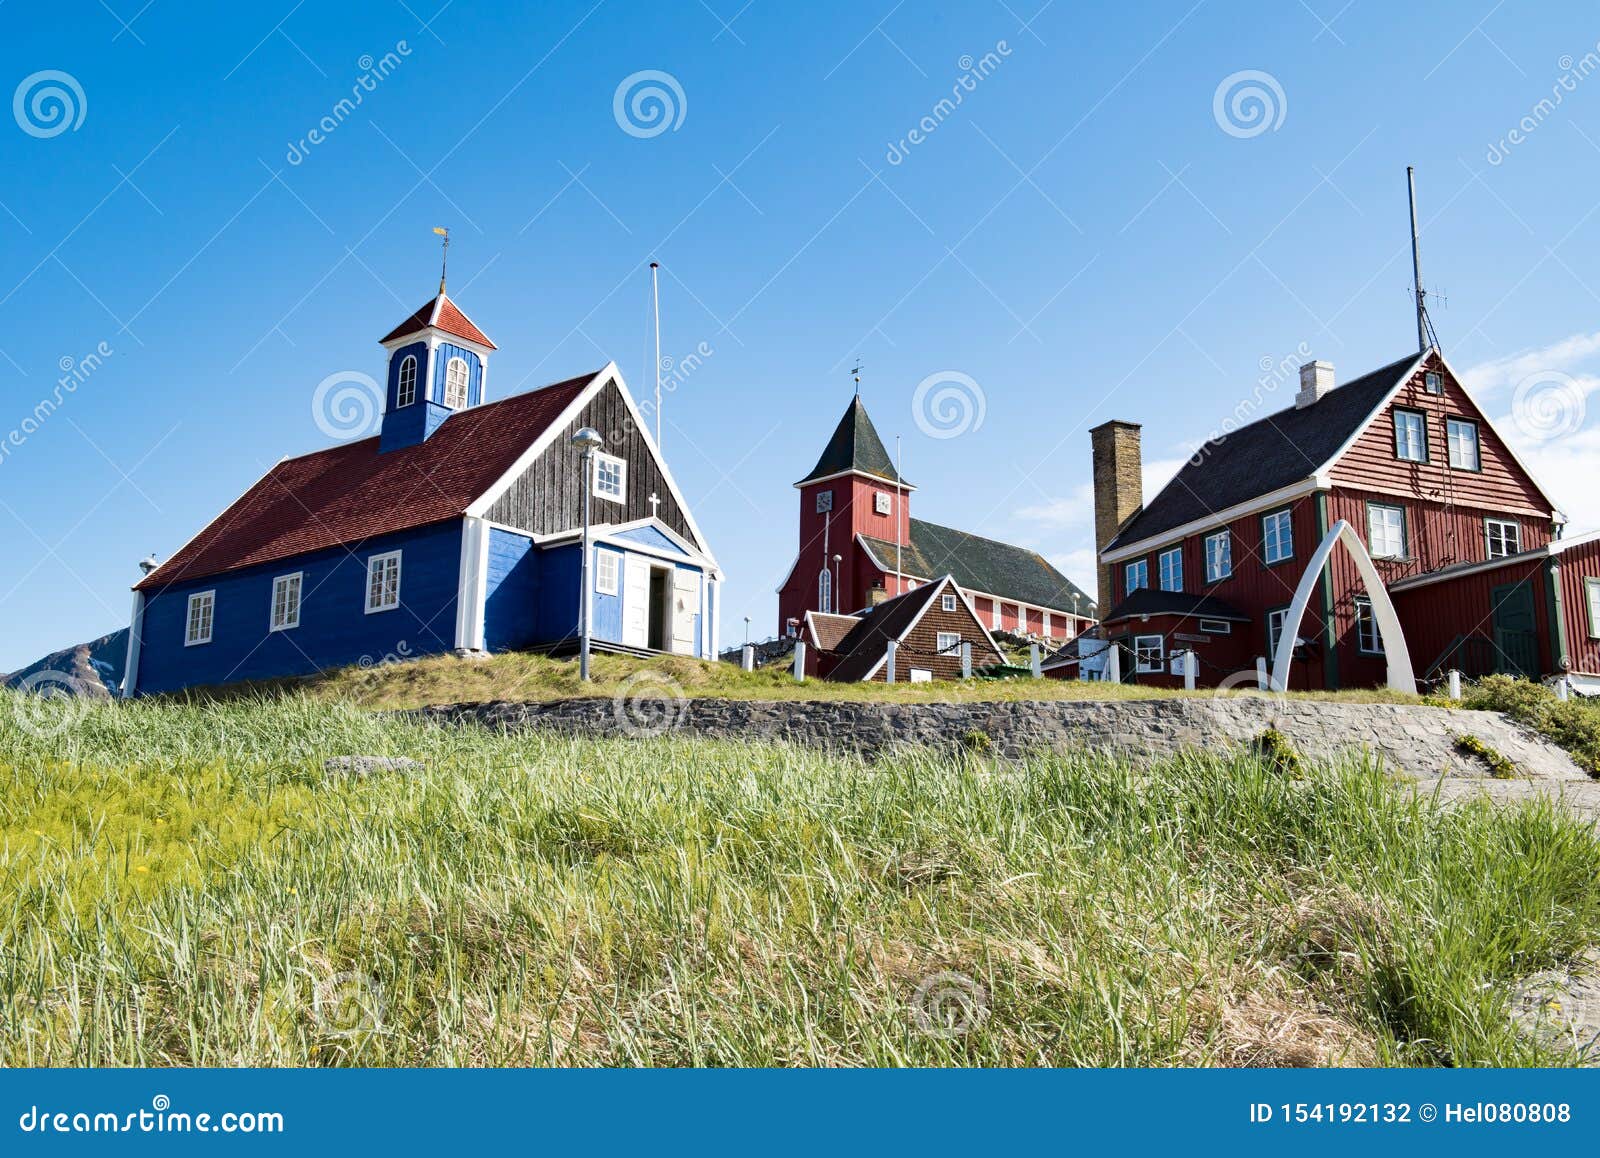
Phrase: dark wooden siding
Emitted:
{"points": [[1370, 463], [549, 495], [918, 647]]}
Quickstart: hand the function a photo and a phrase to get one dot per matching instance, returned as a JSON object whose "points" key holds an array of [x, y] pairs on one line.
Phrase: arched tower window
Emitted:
{"points": [[455, 383], [825, 590], [407, 393]]}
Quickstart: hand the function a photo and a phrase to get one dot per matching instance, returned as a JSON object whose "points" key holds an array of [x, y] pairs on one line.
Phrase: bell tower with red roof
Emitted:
{"points": [[438, 364]]}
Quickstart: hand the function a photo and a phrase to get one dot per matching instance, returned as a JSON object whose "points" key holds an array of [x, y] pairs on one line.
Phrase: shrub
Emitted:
{"points": [[1274, 750], [1574, 725], [1500, 766]]}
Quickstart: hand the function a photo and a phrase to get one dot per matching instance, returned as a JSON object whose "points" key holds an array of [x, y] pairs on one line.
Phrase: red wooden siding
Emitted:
{"points": [[1436, 615], [1578, 565], [1370, 463]]}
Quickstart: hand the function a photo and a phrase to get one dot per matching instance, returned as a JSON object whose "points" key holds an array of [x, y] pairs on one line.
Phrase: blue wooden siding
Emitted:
{"points": [[417, 350], [510, 618], [334, 629], [558, 586], [653, 538], [441, 359]]}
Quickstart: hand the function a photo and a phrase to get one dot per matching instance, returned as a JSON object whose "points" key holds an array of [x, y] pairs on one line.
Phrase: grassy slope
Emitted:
{"points": [[180, 884], [517, 676]]}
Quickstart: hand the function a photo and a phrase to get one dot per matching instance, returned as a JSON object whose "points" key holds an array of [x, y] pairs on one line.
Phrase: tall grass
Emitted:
{"points": [[183, 884]]}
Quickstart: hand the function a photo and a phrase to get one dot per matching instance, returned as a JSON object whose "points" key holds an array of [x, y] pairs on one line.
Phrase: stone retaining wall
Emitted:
{"points": [[1419, 741]]}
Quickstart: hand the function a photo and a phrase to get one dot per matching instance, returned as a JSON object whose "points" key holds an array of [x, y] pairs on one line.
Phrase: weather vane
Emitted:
{"points": [[444, 258], [856, 374]]}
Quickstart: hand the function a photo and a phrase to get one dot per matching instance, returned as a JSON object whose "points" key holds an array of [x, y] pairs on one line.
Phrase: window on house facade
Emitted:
{"points": [[407, 392], [286, 602], [825, 590], [1277, 537], [455, 383], [1275, 620], [1462, 437], [1592, 589], [882, 502], [947, 642], [202, 614], [383, 582], [1216, 627], [947, 601], [1386, 531], [1504, 537], [607, 572], [610, 477], [1136, 576], [1170, 564], [824, 502], [1410, 436], [1219, 556], [1149, 653], [1433, 382], [1369, 640]]}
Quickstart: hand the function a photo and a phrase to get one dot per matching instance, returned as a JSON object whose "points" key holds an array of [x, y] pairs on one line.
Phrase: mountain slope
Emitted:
{"points": [[91, 669]]}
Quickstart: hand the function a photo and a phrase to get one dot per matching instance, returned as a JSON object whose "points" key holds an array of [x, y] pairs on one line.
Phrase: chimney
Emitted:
{"points": [[1118, 490], [1316, 379]]}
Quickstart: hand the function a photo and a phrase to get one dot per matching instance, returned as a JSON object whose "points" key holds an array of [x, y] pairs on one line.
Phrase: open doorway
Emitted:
{"points": [[660, 607]]}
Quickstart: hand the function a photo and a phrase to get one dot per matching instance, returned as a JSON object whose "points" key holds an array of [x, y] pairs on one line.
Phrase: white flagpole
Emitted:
{"points": [[655, 309]]}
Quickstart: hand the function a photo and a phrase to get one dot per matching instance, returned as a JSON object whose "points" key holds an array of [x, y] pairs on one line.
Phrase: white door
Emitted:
{"points": [[685, 606], [635, 602]]}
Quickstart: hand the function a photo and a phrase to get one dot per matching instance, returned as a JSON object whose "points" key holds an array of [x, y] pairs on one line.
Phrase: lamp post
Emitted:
{"points": [[747, 629], [586, 440], [833, 587]]}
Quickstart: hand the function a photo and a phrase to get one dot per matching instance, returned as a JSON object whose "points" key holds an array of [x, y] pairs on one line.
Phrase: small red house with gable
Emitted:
{"points": [[859, 546], [1466, 542]]}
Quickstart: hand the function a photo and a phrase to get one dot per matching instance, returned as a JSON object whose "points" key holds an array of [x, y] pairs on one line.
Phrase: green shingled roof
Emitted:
{"points": [[984, 565], [855, 445]]}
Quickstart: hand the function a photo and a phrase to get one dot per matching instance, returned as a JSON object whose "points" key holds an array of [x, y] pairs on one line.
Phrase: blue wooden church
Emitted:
{"points": [[457, 528]]}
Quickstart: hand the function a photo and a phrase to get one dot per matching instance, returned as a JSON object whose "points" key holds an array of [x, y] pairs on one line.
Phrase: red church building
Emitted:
{"points": [[1467, 545], [859, 546]]}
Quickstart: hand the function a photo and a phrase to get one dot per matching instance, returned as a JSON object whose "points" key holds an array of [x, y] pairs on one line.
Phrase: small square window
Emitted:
{"points": [[1136, 576], [202, 615], [947, 642], [883, 502], [1504, 538], [1149, 653], [1386, 531], [1433, 382], [947, 601], [607, 568], [824, 502], [610, 477]]}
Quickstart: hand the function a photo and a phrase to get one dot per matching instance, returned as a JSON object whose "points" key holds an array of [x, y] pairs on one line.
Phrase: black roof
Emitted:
{"points": [[855, 445], [1272, 452], [1147, 601], [986, 565]]}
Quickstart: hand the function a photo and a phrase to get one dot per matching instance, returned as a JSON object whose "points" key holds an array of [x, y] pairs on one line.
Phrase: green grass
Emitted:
{"points": [[522, 676], [180, 884]]}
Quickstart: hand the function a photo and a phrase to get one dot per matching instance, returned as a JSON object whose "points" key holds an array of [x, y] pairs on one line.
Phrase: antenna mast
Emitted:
{"points": [[900, 579], [1426, 337], [655, 309]]}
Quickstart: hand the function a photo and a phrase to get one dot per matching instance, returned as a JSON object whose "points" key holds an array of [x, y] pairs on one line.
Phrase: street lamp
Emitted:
{"points": [[747, 629], [587, 441], [833, 587]]}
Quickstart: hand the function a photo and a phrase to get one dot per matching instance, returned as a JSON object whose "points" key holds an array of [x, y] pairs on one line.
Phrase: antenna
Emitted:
{"points": [[900, 578], [655, 309], [1426, 335], [444, 257]]}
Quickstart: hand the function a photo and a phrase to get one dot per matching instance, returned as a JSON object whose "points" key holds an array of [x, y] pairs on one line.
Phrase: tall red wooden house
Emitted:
{"points": [[859, 547], [1467, 544]]}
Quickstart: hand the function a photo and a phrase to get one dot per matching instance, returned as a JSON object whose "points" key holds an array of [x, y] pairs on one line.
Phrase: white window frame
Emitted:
{"points": [[602, 462], [286, 583], [1367, 625], [1591, 587], [1451, 425], [1274, 633], [1386, 549], [1515, 537], [1283, 522], [376, 564], [1433, 382], [451, 382], [883, 503], [1216, 627], [405, 393], [208, 601], [1402, 432], [947, 601], [1176, 570], [947, 642], [602, 560], [1219, 563], [1142, 653], [825, 590], [1139, 567]]}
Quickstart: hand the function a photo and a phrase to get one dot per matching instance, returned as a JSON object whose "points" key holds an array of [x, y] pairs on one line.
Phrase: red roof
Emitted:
{"points": [[349, 493], [442, 314]]}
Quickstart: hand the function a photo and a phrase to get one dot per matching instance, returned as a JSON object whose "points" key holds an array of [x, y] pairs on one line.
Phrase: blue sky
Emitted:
{"points": [[1084, 236]]}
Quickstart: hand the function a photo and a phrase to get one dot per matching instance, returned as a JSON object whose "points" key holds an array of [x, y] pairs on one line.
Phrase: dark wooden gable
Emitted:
{"points": [[548, 496]]}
